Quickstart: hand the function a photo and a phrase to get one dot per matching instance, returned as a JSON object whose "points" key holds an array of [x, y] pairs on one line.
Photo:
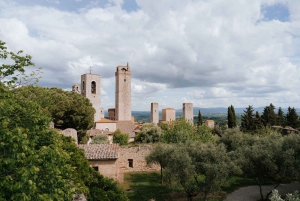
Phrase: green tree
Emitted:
{"points": [[14, 74], [257, 121], [269, 117], [121, 138], [280, 117], [204, 134], [149, 133], [67, 109], [199, 119], [231, 118], [179, 131], [160, 155], [292, 118], [100, 139], [247, 121]]}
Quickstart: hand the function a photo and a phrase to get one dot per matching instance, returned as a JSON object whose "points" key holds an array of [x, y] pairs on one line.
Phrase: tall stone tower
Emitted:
{"points": [[123, 93], [90, 88], [188, 112], [154, 113]]}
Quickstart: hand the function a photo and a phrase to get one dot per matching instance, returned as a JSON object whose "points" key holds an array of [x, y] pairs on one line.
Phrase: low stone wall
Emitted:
{"points": [[108, 168], [132, 159]]}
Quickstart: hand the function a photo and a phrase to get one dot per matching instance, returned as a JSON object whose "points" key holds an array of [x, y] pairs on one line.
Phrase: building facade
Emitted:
{"points": [[154, 113], [188, 112]]}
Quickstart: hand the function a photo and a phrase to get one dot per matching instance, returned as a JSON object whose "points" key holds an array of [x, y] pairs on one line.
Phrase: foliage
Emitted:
{"points": [[160, 155], [67, 109], [149, 133], [121, 138], [179, 131], [100, 139], [281, 121], [104, 189], [13, 75], [204, 134], [269, 117], [247, 122], [289, 197], [231, 117], [292, 118], [199, 120]]}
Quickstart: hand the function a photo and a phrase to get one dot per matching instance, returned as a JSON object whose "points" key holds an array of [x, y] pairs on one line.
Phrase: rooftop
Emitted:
{"points": [[100, 151]]}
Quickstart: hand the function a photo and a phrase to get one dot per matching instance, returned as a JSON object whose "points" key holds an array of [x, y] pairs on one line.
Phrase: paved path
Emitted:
{"points": [[251, 193]]}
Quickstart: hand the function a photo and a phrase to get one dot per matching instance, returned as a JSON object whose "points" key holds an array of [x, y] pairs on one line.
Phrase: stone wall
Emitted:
{"points": [[70, 132], [154, 113], [108, 168], [137, 156], [188, 112], [168, 114]]}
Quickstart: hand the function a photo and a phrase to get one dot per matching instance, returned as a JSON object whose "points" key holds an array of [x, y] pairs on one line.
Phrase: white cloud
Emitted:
{"points": [[204, 51]]}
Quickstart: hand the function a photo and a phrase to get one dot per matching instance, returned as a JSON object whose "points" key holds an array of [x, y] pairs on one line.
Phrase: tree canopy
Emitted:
{"points": [[67, 109]]}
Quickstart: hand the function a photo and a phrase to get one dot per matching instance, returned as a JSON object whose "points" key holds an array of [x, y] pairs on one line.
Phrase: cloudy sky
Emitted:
{"points": [[212, 53]]}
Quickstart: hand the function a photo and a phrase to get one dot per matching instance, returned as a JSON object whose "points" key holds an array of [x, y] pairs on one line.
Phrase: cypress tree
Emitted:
{"points": [[230, 117], [199, 120], [233, 115]]}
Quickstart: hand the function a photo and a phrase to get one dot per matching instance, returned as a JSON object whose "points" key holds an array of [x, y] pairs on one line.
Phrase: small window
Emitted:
{"points": [[124, 80], [96, 168], [83, 86], [93, 87], [130, 163]]}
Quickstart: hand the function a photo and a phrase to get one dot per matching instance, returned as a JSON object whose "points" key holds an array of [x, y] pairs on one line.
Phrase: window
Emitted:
{"points": [[124, 80], [130, 163], [83, 86], [93, 87], [96, 168]]}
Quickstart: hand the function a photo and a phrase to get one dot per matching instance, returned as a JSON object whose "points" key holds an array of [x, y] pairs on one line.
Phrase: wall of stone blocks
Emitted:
{"points": [[154, 113], [168, 114], [188, 112], [108, 168], [70, 132]]}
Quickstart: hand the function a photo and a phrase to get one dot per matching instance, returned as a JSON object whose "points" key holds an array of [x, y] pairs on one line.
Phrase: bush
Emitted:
{"points": [[121, 138], [100, 139]]}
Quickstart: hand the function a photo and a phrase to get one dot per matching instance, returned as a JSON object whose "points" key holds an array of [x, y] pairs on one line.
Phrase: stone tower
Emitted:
{"points": [[188, 112], [168, 114], [123, 93], [91, 89], [154, 113]]}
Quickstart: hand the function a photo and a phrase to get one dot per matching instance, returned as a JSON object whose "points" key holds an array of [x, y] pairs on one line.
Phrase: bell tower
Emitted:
{"points": [[91, 89], [123, 93]]}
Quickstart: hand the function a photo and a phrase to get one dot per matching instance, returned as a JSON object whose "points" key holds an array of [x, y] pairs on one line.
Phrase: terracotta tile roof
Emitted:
{"points": [[127, 127], [104, 120], [100, 151]]}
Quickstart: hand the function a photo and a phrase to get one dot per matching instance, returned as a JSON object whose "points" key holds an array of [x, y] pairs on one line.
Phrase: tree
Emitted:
{"points": [[231, 117], [269, 117], [121, 138], [149, 133], [257, 121], [67, 109], [160, 155], [247, 121], [179, 131], [292, 118], [289, 197], [199, 119], [13, 75], [280, 117], [100, 139]]}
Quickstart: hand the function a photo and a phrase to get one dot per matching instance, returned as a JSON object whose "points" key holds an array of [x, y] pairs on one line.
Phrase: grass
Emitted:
{"points": [[142, 186]]}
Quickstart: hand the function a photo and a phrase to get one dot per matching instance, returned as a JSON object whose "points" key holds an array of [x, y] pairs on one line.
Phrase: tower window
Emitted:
{"points": [[93, 87], [124, 80], [83, 86], [96, 168], [130, 163]]}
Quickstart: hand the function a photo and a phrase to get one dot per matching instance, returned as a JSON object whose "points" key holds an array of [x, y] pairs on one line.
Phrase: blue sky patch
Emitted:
{"points": [[276, 12]]}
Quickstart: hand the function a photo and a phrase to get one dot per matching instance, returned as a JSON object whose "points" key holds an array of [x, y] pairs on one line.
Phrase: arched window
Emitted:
{"points": [[93, 87]]}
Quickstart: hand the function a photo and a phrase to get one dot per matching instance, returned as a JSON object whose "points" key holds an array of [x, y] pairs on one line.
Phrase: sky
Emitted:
{"points": [[212, 53]]}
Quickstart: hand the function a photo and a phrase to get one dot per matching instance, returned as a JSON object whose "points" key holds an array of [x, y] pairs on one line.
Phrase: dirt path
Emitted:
{"points": [[251, 193]]}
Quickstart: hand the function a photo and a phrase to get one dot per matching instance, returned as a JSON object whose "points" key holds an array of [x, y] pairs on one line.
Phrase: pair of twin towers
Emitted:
{"points": [[91, 89]]}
